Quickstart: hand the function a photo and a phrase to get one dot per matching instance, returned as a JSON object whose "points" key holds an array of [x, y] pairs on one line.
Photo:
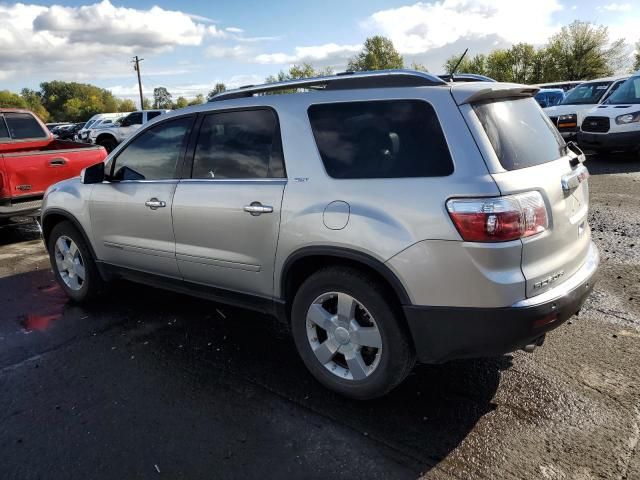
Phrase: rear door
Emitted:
{"points": [[131, 213], [526, 153], [226, 217]]}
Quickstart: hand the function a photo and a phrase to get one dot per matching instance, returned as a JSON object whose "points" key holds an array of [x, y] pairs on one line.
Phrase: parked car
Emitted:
{"points": [[569, 114], [69, 132], [31, 160], [93, 122], [565, 85], [51, 126], [386, 216], [111, 135], [614, 125], [548, 97]]}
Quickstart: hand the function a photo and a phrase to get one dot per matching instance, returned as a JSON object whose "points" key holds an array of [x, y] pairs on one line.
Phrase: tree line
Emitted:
{"points": [[579, 51]]}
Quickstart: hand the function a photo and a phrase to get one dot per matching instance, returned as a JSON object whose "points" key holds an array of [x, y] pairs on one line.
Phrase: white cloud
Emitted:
{"points": [[417, 28], [616, 7], [330, 52], [234, 30]]}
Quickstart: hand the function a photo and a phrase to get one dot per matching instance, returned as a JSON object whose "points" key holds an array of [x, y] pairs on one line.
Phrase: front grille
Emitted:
{"points": [[596, 124]]}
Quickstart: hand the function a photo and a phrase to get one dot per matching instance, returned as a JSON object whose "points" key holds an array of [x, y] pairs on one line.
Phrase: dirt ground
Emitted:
{"points": [[149, 384]]}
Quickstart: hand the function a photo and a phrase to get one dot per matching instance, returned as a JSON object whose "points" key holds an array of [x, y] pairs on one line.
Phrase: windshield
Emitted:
{"points": [[520, 133], [628, 92], [89, 123], [586, 93]]}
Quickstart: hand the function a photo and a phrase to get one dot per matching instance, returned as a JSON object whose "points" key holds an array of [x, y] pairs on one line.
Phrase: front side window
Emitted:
{"points": [[520, 133], [586, 93], [154, 154], [628, 92], [23, 126], [380, 139], [239, 144], [4, 132], [133, 119]]}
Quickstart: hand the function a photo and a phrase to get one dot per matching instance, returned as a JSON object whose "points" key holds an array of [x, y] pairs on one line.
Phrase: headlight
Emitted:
{"points": [[567, 118], [628, 118]]}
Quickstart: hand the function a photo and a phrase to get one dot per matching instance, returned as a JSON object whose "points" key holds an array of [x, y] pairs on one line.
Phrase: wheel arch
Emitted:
{"points": [[55, 216], [304, 262]]}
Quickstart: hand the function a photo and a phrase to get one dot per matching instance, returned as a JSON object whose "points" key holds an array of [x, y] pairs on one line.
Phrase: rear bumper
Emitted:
{"points": [[599, 141], [447, 333], [31, 207]]}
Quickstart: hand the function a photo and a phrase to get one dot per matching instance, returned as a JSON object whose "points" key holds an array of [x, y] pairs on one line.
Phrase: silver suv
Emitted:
{"points": [[387, 216]]}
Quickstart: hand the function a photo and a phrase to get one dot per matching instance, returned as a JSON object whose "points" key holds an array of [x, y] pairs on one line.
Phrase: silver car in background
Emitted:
{"points": [[388, 217]]}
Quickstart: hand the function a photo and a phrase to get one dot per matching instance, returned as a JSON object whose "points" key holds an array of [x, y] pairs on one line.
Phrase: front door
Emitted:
{"points": [[131, 213], [227, 216]]}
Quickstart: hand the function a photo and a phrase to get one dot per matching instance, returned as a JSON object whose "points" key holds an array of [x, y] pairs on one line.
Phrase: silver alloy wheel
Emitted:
{"points": [[69, 262], [343, 336]]}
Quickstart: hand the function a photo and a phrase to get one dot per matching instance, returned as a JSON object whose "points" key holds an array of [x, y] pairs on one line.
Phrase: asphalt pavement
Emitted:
{"points": [[151, 384]]}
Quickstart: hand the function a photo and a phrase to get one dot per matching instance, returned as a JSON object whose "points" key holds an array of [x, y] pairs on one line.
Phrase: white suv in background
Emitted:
{"points": [[110, 136], [95, 121], [569, 113], [614, 125]]}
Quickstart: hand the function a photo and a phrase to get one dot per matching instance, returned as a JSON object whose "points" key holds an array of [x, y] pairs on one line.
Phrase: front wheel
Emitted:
{"points": [[73, 266], [348, 335]]}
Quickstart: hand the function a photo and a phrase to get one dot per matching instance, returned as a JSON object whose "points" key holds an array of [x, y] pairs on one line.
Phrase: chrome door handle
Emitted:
{"points": [[256, 208], [154, 204]]}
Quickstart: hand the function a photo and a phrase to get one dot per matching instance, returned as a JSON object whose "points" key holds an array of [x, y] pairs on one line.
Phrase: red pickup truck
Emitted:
{"points": [[31, 160]]}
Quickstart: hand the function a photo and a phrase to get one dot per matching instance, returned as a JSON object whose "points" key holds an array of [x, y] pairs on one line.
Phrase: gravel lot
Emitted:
{"points": [[149, 384]]}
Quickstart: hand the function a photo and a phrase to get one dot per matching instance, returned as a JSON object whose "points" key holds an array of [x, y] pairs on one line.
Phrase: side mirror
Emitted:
{"points": [[93, 174]]}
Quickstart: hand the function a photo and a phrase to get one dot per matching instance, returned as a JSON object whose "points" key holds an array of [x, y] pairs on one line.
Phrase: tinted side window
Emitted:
{"points": [[154, 154], [380, 139], [151, 115], [4, 132], [23, 126], [134, 118], [240, 144]]}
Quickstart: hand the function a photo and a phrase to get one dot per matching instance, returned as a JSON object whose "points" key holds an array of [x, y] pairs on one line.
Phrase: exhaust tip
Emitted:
{"points": [[538, 342]]}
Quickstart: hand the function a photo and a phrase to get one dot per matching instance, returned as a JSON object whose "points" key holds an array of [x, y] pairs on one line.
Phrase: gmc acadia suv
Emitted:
{"points": [[387, 216]]}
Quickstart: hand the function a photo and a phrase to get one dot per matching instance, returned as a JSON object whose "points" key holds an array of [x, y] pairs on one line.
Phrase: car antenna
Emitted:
{"points": [[458, 64]]}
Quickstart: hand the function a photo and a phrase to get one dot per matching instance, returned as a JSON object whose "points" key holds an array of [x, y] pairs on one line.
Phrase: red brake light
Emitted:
{"points": [[499, 219]]}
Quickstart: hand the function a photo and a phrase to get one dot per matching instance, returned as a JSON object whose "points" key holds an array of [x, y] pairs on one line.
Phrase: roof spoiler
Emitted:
{"points": [[493, 93]]}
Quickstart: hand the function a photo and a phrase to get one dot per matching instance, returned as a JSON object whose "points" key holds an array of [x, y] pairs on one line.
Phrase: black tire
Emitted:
{"points": [[108, 143], [397, 354], [93, 284]]}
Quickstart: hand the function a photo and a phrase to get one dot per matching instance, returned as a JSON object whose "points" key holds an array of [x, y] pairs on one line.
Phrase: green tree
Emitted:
{"points": [[126, 105], [477, 64], [419, 67], [146, 104], [499, 65], [378, 53], [75, 102], [162, 98], [11, 100], [218, 88], [582, 51], [636, 62], [198, 100], [181, 102], [297, 72], [33, 100]]}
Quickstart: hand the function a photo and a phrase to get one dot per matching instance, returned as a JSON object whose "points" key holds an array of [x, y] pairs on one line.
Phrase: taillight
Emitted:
{"points": [[499, 219]]}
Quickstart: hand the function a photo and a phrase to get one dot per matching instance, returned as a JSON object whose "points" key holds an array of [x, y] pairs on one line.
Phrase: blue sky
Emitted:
{"points": [[190, 45]]}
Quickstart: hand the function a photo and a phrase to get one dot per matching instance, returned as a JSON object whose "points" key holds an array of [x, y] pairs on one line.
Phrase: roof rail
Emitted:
{"points": [[341, 81]]}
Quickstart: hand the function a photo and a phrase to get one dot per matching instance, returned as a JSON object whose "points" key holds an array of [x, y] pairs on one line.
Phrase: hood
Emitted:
{"points": [[612, 111]]}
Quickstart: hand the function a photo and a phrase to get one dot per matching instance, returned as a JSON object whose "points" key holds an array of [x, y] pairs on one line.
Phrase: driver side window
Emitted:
{"points": [[154, 154]]}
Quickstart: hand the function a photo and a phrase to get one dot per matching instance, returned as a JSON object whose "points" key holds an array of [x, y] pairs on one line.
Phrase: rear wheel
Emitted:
{"points": [[73, 266], [350, 338]]}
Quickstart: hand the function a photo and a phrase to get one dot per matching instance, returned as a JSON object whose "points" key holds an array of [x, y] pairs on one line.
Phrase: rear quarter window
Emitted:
{"points": [[4, 132], [520, 133], [23, 126], [380, 139]]}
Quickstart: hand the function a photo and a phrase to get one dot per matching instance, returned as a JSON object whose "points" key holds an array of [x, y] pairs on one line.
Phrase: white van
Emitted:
{"points": [[569, 113], [614, 125], [93, 122]]}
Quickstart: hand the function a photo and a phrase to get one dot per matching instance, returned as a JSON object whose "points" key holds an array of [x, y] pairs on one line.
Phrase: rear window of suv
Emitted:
{"points": [[520, 133], [380, 139]]}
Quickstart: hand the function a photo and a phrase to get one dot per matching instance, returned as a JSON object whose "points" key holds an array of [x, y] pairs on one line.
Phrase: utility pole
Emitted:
{"points": [[136, 61]]}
